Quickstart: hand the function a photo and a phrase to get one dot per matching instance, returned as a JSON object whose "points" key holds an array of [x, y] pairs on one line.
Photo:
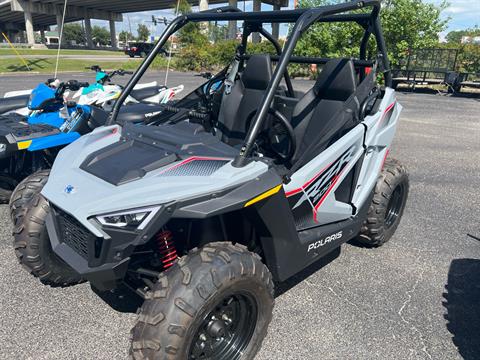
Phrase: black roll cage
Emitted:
{"points": [[303, 19]]}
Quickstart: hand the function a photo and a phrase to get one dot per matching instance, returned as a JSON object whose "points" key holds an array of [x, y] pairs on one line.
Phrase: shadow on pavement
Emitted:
{"points": [[469, 94], [125, 300], [34, 64], [121, 299], [462, 303]]}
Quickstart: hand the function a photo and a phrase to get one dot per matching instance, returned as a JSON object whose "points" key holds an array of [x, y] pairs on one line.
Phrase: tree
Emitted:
{"points": [[411, 24], [100, 35], [217, 32], [125, 37], [191, 34], [456, 35], [143, 32], [407, 24], [74, 33]]}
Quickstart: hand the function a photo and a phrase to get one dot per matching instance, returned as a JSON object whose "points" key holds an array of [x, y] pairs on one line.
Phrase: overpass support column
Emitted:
{"points": [[203, 5], [29, 28], [232, 24], [42, 36], [257, 6], [59, 17], [276, 26], [88, 33], [113, 35]]}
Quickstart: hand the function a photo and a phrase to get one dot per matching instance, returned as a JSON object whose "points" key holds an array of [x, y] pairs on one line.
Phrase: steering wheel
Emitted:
{"points": [[275, 134]]}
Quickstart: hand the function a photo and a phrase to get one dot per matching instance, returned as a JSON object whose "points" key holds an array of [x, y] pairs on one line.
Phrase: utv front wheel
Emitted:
{"points": [[25, 191], [215, 303], [387, 205], [33, 249]]}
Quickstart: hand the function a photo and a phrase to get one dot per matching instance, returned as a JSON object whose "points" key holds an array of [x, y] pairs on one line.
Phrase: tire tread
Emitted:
{"points": [[373, 232], [192, 281]]}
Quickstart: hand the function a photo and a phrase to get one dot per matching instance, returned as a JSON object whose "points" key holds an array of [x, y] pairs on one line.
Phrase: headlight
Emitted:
{"points": [[130, 219], [3, 147]]}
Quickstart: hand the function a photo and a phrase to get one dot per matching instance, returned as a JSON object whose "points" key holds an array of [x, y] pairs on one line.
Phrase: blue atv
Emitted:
{"points": [[29, 144]]}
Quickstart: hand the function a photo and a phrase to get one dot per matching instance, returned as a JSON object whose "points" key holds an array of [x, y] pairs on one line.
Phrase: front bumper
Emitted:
{"points": [[101, 261]]}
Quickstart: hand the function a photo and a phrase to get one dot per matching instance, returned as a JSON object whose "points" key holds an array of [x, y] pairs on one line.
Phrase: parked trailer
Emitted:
{"points": [[434, 67]]}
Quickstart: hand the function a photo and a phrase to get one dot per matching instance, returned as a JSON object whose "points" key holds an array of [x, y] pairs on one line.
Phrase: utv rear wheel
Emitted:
{"points": [[215, 303], [33, 249], [386, 209], [25, 191]]}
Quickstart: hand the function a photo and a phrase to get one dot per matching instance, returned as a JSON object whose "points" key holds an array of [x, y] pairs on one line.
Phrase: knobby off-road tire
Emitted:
{"points": [[25, 191], [172, 319], [386, 209], [33, 249]]}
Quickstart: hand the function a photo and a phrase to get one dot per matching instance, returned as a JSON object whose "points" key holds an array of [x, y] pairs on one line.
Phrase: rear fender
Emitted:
{"points": [[379, 132]]}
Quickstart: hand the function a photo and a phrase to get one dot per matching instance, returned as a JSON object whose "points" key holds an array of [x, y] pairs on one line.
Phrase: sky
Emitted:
{"points": [[462, 13]]}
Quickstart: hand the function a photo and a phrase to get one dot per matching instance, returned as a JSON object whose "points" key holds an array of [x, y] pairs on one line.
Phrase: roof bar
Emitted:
{"points": [[314, 60]]}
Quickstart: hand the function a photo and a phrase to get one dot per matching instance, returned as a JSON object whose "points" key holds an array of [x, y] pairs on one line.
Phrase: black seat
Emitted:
{"points": [[147, 92], [326, 110], [245, 97], [138, 113], [13, 103], [134, 113], [98, 117]]}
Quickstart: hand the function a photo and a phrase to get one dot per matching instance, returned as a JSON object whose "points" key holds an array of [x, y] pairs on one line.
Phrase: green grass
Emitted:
{"points": [[9, 51], [12, 65], [47, 65]]}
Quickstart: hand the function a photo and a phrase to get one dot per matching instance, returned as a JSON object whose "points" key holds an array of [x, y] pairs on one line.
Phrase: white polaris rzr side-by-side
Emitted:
{"points": [[243, 182]]}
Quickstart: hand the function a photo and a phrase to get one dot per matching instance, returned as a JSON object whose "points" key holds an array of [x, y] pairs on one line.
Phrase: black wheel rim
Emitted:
{"points": [[395, 206], [225, 331]]}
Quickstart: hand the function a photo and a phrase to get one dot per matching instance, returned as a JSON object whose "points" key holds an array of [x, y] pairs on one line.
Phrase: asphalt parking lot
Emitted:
{"points": [[417, 297]]}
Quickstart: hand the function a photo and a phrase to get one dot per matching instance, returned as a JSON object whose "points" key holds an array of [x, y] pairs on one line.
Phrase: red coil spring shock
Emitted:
{"points": [[166, 248]]}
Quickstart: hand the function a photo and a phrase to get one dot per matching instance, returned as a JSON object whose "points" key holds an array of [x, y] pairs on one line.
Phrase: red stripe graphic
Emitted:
{"points": [[296, 191], [389, 107], [326, 193]]}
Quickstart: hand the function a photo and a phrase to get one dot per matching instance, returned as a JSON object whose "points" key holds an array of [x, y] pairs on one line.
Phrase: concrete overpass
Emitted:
{"points": [[38, 15]]}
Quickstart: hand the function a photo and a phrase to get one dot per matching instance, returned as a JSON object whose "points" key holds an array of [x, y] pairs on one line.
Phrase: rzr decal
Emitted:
{"points": [[316, 190]]}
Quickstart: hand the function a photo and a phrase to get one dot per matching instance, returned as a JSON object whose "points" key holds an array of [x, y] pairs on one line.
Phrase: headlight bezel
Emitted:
{"points": [[127, 220]]}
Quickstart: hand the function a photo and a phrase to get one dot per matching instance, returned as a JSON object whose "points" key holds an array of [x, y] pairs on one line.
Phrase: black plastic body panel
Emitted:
{"points": [[106, 266], [146, 148], [286, 250], [14, 129], [232, 200], [13, 103], [126, 161]]}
